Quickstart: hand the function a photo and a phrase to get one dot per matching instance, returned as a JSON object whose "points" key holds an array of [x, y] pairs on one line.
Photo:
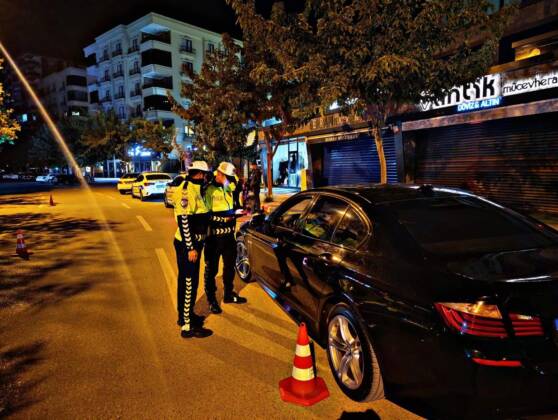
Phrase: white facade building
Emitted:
{"points": [[135, 65], [65, 93]]}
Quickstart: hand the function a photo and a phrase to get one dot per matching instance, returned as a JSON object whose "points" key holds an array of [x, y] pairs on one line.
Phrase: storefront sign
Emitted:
{"points": [[488, 91]]}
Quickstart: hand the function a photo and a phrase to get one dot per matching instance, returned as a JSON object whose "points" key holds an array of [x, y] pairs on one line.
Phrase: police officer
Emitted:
{"points": [[192, 216], [221, 238]]}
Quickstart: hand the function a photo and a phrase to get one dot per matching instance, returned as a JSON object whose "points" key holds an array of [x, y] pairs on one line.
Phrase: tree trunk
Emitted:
{"points": [[269, 155], [381, 155]]}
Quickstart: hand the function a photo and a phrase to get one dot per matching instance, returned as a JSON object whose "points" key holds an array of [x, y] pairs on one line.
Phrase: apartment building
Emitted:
{"points": [[135, 65], [64, 93]]}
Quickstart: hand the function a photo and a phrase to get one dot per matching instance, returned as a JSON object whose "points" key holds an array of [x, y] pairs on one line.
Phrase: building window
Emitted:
{"points": [[134, 43], [121, 113], [187, 66], [186, 45], [210, 47]]}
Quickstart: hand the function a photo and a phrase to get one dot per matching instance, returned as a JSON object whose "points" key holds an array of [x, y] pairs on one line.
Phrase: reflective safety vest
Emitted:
{"points": [[192, 215], [220, 202]]}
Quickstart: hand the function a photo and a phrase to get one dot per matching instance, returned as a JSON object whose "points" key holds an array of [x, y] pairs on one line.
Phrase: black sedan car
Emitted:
{"points": [[422, 294]]}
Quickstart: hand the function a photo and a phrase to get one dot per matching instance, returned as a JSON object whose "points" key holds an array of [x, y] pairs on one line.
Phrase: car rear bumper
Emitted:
{"points": [[149, 192], [124, 187]]}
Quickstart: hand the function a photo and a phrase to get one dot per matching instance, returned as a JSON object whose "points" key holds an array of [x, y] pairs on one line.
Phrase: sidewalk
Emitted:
{"points": [[279, 195]]}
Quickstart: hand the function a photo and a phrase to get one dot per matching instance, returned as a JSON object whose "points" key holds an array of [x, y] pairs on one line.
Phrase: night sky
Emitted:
{"points": [[61, 28]]}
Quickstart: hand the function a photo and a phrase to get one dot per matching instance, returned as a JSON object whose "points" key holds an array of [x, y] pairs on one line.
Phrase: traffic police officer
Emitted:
{"points": [[192, 216], [221, 238]]}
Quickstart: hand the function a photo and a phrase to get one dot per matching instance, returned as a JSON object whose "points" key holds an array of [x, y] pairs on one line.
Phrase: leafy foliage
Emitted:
{"points": [[106, 135], [8, 126], [372, 56], [151, 135]]}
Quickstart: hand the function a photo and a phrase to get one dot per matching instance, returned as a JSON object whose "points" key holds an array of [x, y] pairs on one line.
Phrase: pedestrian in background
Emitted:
{"points": [[192, 216], [221, 241], [254, 184]]}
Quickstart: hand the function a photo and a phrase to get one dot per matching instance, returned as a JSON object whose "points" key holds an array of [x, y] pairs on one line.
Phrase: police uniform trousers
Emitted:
{"points": [[187, 284], [217, 246]]}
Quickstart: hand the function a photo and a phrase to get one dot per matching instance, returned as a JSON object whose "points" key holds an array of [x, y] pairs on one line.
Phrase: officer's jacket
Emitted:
{"points": [[192, 215], [220, 202]]}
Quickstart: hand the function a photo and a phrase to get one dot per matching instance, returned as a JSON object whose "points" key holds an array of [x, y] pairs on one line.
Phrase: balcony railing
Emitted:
{"points": [[105, 79], [104, 57], [135, 92], [106, 99], [163, 37], [133, 49], [187, 49], [117, 52], [119, 96], [118, 74], [135, 70]]}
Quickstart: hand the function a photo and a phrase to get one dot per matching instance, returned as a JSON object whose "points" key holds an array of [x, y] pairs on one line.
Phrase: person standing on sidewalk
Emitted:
{"points": [[221, 241], [192, 216], [254, 182]]}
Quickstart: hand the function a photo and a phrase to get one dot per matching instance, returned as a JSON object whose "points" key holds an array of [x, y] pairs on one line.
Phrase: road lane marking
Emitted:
{"points": [[106, 196], [126, 205], [168, 272], [144, 224]]}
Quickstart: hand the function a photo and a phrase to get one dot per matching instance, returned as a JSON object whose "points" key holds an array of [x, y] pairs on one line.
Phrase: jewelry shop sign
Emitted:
{"points": [[488, 91]]}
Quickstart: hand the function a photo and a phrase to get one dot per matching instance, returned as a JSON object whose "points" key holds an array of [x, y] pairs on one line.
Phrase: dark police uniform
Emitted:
{"points": [[192, 216]]}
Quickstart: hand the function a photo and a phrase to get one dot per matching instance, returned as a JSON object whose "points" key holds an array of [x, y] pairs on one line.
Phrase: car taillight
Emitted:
{"points": [[526, 326], [149, 183], [479, 319]]}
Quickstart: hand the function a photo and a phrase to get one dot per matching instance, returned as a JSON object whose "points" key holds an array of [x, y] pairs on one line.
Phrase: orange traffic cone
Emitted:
{"points": [[21, 249], [303, 388], [52, 201]]}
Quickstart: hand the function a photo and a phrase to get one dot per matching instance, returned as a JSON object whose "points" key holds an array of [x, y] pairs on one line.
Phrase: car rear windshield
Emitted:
{"points": [[158, 176], [130, 176], [460, 225]]}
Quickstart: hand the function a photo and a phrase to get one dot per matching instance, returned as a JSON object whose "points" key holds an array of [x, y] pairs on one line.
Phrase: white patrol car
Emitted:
{"points": [[149, 184]]}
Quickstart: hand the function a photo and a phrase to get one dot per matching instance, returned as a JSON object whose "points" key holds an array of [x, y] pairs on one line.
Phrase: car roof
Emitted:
{"points": [[388, 193]]}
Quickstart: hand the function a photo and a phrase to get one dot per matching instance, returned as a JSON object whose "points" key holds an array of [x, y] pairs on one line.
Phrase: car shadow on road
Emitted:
{"points": [[364, 415], [15, 390]]}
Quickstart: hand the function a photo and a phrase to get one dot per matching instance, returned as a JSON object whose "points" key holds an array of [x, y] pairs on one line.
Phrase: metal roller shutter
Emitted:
{"points": [[512, 161], [356, 161]]}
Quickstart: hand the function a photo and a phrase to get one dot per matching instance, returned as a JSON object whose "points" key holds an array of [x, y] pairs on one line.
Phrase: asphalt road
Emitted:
{"points": [[87, 324]]}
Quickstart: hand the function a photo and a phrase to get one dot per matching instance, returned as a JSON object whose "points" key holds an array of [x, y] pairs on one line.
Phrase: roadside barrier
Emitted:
{"points": [[303, 387], [21, 249]]}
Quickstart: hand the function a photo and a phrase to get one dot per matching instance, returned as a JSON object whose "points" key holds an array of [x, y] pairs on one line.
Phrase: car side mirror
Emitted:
{"points": [[258, 219]]}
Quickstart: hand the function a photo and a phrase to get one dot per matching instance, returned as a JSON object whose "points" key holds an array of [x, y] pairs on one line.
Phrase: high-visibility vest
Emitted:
{"points": [[191, 213], [220, 202]]}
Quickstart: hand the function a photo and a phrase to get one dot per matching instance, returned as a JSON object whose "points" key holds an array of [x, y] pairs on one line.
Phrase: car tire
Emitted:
{"points": [[141, 197], [122, 192], [347, 344], [242, 261], [167, 205]]}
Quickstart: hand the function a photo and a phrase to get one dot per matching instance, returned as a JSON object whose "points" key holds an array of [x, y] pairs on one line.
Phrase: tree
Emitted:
{"points": [[8, 126], [373, 56], [241, 88], [105, 135], [152, 135]]}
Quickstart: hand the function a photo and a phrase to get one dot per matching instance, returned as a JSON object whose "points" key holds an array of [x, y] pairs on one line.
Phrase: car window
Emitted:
{"points": [[323, 218], [130, 176], [140, 178], [456, 225], [291, 215], [351, 230], [158, 176]]}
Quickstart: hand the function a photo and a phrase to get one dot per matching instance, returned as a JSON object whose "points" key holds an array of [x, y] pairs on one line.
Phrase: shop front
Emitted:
{"points": [[497, 137], [290, 159]]}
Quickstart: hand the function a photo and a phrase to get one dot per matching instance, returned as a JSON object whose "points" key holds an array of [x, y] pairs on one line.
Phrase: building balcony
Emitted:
{"points": [[105, 99], [165, 83], [135, 92], [117, 74], [134, 71], [133, 49], [103, 58], [163, 37], [150, 70], [155, 91], [155, 45], [116, 53], [118, 96], [187, 50], [158, 114], [104, 79]]}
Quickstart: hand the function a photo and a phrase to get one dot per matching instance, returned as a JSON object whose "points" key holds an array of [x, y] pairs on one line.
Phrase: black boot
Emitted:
{"points": [[234, 298], [198, 332], [214, 307]]}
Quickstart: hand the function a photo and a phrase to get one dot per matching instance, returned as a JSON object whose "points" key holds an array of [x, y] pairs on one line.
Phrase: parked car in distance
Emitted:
{"points": [[125, 182], [45, 178], [171, 188], [150, 184], [10, 177], [422, 294], [65, 179]]}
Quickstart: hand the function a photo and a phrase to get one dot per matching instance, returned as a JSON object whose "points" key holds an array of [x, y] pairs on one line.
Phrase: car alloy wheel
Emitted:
{"points": [[242, 264], [351, 357], [346, 352]]}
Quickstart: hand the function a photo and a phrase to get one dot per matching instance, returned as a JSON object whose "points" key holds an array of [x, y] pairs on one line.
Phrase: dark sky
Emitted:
{"points": [[61, 28]]}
